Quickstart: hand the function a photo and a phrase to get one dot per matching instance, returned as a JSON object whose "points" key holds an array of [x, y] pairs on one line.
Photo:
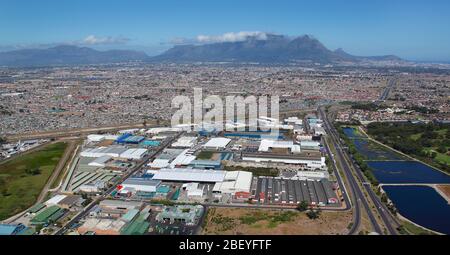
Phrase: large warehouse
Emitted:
{"points": [[136, 154], [189, 175], [312, 163], [234, 181], [217, 143], [141, 184], [269, 145], [112, 151]]}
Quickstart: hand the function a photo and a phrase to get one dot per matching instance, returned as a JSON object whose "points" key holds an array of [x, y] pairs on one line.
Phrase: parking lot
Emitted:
{"points": [[276, 190]]}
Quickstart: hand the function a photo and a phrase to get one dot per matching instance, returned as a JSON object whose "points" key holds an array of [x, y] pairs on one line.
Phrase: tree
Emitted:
{"points": [[302, 206], [313, 214], [433, 154], [442, 149]]}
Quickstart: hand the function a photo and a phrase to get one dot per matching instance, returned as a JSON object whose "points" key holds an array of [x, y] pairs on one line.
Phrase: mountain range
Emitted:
{"points": [[272, 49]]}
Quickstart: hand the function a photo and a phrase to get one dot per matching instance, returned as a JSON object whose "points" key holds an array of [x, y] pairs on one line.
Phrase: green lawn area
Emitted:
{"points": [[20, 183], [416, 137], [443, 158]]}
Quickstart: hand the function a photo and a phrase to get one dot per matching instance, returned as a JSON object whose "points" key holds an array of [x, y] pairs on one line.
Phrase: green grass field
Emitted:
{"points": [[19, 188]]}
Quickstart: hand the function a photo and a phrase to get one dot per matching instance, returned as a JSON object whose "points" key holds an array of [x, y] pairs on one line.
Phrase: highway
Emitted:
{"points": [[387, 90], [357, 194], [111, 189], [388, 219]]}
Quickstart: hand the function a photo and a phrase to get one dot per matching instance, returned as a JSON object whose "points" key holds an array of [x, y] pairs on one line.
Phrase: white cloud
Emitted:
{"points": [[95, 40], [231, 37]]}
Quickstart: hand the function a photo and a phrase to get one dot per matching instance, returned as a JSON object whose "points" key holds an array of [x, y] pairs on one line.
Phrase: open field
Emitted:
{"points": [[234, 221], [22, 179]]}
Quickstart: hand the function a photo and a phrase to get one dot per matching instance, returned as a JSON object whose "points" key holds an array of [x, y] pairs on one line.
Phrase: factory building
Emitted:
{"points": [[185, 142], [101, 226], [140, 184], [112, 151], [117, 208], [308, 162], [55, 200], [310, 145], [206, 164], [11, 229], [100, 161], [234, 181], [193, 191], [165, 158], [217, 143], [50, 214], [190, 175], [187, 214], [275, 145], [135, 154]]}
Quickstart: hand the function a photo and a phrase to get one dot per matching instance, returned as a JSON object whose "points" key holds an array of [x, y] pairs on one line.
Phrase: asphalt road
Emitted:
{"points": [[357, 194], [387, 90]]}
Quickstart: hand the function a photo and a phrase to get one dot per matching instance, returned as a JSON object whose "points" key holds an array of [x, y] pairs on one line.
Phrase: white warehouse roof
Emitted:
{"points": [[235, 181], [185, 142], [100, 162], [113, 151], [95, 138], [189, 175], [266, 144], [55, 200], [159, 163], [217, 142], [134, 153]]}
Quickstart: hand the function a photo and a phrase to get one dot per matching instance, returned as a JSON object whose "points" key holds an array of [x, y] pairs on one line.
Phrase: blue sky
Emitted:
{"points": [[412, 29]]}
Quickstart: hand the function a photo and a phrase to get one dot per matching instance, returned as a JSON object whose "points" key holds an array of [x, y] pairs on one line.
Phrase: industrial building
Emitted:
{"points": [[311, 163], [187, 214], [50, 214], [100, 161], [117, 208], [274, 145], [54, 200], [217, 143], [206, 164], [140, 184], [101, 226], [12, 229], [190, 175], [185, 142], [234, 181], [135, 154], [112, 151], [310, 145], [193, 190]]}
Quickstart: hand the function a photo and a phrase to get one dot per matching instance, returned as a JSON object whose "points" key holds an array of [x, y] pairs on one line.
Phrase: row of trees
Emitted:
{"points": [[358, 157]]}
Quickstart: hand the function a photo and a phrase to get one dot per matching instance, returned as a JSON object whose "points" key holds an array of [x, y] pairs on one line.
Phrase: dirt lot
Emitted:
{"points": [[235, 221], [445, 189]]}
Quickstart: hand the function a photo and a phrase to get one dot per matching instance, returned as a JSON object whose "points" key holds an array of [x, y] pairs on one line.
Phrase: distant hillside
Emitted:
{"points": [[273, 49], [67, 55]]}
